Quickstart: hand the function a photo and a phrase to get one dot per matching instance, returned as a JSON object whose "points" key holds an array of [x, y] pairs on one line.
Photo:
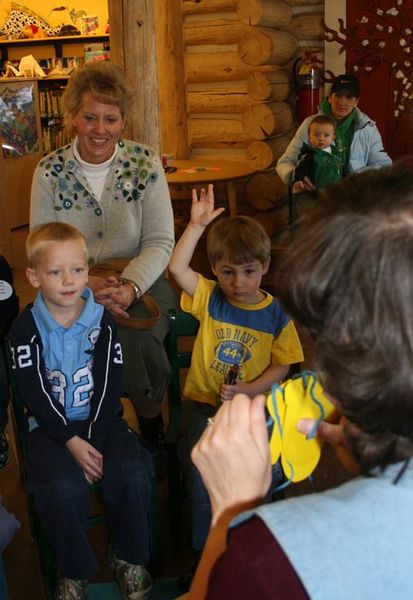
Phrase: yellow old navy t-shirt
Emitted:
{"points": [[252, 335]]}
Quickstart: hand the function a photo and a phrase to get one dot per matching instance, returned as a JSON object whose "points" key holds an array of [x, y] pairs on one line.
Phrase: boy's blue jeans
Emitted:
{"points": [[4, 390], [62, 498], [194, 420]]}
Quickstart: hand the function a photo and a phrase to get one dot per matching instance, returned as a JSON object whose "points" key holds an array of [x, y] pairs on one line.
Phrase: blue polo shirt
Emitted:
{"points": [[68, 354]]}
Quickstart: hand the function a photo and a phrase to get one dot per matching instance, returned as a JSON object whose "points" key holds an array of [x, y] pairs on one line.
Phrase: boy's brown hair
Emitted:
{"points": [[239, 239], [50, 232]]}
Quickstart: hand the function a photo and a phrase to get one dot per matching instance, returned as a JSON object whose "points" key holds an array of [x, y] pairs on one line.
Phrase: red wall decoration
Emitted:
{"points": [[378, 41]]}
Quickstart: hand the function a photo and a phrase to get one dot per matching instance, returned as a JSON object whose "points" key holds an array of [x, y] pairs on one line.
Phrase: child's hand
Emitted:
{"points": [[87, 457], [227, 392], [298, 186], [306, 185], [202, 210]]}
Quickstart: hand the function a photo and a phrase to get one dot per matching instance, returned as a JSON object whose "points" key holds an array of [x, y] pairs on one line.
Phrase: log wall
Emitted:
{"points": [[240, 95], [219, 77], [238, 67], [239, 59]]}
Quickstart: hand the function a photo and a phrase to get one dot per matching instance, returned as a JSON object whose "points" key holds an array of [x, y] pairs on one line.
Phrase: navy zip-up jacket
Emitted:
{"points": [[35, 389]]}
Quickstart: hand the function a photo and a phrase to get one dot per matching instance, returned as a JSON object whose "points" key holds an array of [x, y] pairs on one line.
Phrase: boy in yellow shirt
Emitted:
{"points": [[242, 330]]}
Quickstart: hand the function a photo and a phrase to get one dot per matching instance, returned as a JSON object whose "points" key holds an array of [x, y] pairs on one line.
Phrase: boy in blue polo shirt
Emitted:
{"points": [[68, 365]]}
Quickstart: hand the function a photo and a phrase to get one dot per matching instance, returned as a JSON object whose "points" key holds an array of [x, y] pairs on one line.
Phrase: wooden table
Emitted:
{"points": [[193, 172]]}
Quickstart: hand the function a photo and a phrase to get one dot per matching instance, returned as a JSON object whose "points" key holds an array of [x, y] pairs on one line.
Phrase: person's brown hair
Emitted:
{"points": [[348, 278], [50, 232], [239, 239], [105, 81]]}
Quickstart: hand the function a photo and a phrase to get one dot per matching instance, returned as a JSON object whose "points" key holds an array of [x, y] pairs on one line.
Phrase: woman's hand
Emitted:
{"points": [[112, 294], [202, 210], [233, 456], [123, 297], [87, 457]]}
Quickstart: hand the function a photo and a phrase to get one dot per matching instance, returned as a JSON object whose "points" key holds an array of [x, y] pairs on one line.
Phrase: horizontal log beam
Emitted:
{"points": [[219, 31], [218, 66], [217, 133], [276, 85], [264, 120], [219, 101], [190, 7], [307, 26], [263, 154], [263, 190], [266, 46], [305, 2], [266, 13]]}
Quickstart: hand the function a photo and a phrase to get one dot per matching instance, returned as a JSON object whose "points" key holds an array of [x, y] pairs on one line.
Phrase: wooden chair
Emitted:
{"points": [[181, 325]]}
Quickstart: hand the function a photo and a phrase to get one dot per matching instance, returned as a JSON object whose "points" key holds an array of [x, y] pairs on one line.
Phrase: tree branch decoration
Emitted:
{"points": [[381, 35]]}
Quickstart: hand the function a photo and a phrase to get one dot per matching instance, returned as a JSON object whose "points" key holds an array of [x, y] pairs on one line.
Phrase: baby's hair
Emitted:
{"points": [[50, 232], [238, 239], [322, 120]]}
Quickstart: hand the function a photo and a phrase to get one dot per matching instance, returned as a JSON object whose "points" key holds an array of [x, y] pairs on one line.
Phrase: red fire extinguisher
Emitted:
{"points": [[308, 82]]}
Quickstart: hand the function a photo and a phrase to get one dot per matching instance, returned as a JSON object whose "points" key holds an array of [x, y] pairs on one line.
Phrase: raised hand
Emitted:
{"points": [[202, 210]]}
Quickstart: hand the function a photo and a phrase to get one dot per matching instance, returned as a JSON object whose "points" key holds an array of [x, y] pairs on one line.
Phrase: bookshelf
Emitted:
{"points": [[59, 46], [21, 148], [45, 131]]}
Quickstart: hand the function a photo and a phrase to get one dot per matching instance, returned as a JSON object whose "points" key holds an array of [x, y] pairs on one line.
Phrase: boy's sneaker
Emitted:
{"points": [[134, 581], [4, 450], [71, 589]]}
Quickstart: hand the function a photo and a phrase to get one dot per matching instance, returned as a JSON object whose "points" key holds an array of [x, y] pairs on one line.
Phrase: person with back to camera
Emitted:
{"points": [[358, 142], [317, 162], [240, 325], [9, 309], [67, 361], [115, 192], [348, 279]]}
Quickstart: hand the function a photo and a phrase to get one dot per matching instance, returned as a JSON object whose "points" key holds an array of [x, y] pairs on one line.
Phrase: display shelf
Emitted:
{"points": [[21, 146], [57, 42]]}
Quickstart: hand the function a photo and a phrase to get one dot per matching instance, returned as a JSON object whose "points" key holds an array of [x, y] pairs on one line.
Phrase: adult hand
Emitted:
{"points": [[87, 457], [122, 298], [100, 284], [233, 456], [106, 291], [202, 209]]}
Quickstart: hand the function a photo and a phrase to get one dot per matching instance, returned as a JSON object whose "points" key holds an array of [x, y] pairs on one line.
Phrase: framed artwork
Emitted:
{"points": [[20, 131]]}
